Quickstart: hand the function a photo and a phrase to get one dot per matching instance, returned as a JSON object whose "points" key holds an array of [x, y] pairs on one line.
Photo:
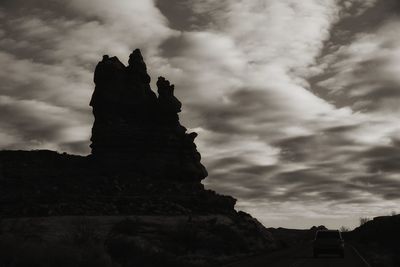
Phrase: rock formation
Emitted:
{"points": [[133, 124]]}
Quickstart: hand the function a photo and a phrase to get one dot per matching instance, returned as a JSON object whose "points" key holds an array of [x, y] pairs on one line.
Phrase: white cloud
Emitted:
{"points": [[122, 26]]}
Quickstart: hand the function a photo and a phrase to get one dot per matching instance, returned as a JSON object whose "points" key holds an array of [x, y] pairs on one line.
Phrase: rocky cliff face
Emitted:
{"points": [[134, 125], [143, 163]]}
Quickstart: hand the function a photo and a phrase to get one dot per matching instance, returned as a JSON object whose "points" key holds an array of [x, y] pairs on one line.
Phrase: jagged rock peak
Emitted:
{"points": [[132, 122], [136, 59]]}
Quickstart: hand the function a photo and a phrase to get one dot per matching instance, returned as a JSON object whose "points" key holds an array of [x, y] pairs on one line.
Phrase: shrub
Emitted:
{"points": [[364, 220], [15, 251], [186, 235], [81, 232], [26, 229], [232, 240], [126, 227], [344, 229]]}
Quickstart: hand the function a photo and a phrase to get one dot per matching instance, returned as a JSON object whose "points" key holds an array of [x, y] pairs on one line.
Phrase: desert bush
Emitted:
{"points": [[95, 255], [232, 240], [159, 259], [120, 243], [131, 252], [28, 254], [81, 232], [9, 246], [127, 226], [121, 248], [186, 235], [364, 220], [17, 252], [60, 255], [26, 229], [344, 229]]}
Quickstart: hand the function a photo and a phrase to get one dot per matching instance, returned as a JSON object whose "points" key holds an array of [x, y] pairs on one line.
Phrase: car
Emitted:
{"points": [[328, 242]]}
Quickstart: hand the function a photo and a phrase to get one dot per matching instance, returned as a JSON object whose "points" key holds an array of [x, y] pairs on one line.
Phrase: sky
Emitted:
{"points": [[296, 102]]}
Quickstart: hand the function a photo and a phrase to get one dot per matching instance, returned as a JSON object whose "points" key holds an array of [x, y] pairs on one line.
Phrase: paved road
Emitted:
{"points": [[302, 257]]}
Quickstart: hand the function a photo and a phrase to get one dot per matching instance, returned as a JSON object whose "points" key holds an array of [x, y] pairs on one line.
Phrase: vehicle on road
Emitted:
{"points": [[328, 242]]}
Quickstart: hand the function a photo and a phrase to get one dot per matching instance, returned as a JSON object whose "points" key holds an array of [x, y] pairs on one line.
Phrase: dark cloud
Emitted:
{"points": [[258, 170], [226, 162], [188, 15], [353, 25], [296, 148], [341, 129], [383, 159], [379, 185], [173, 46], [367, 21], [180, 15]]}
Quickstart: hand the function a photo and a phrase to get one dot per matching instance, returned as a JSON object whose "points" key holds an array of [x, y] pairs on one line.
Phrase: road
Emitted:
{"points": [[302, 257]]}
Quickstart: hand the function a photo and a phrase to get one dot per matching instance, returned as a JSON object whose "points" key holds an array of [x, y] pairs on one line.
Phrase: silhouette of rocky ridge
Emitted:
{"points": [[133, 124], [143, 163]]}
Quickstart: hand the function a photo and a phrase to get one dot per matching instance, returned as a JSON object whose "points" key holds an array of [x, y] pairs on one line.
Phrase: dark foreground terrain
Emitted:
{"points": [[373, 244], [301, 256], [103, 241]]}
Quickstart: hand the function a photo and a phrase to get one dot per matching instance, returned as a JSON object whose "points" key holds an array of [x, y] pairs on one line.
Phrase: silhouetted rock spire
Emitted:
{"points": [[137, 66], [169, 105], [133, 124]]}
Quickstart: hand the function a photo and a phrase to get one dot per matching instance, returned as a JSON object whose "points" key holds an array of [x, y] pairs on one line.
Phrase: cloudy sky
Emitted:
{"points": [[297, 103]]}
